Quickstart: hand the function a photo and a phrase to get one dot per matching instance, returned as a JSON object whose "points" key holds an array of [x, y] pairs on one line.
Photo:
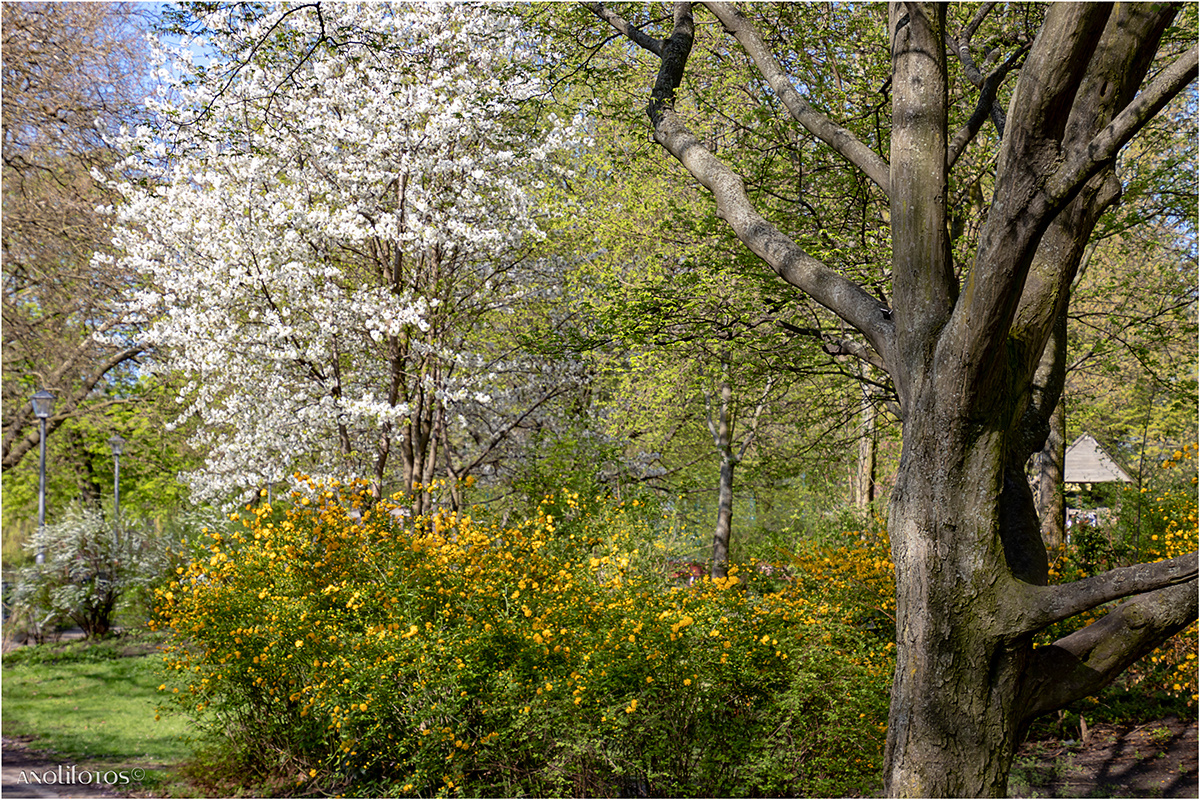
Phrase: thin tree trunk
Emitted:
{"points": [[1052, 509], [864, 486], [724, 527], [722, 433]]}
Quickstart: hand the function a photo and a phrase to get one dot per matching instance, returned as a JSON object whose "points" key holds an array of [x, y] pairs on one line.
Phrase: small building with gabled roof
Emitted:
{"points": [[1087, 462]]}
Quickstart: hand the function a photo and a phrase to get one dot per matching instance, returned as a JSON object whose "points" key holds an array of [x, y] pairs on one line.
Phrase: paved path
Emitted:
{"points": [[26, 772]]}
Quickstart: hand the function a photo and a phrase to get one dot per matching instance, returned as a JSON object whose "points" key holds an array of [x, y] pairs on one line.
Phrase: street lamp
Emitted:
{"points": [[118, 446], [43, 407]]}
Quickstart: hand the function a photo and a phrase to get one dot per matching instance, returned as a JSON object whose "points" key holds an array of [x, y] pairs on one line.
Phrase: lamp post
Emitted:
{"points": [[43, 407], [118, 446]]}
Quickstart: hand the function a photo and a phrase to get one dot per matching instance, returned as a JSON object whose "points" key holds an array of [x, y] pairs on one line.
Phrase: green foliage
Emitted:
{"points": [[80, 468], [368, 652], [93, 704]]}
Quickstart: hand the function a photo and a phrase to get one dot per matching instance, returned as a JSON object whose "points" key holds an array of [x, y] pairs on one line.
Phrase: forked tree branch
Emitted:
{"points": [[1044, 605], [843, 142], [986, 106], [1081, 664], [792, 263], [15, 446], [623, 27], [962, 48], [1101, 150]]}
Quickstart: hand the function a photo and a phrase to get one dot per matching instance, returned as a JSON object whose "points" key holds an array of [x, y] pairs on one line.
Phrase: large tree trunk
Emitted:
{"points": [[978, 376], [954, 724]]}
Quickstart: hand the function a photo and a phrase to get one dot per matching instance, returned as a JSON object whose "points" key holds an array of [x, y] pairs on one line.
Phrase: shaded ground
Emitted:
{"points": [[1157, 759]]}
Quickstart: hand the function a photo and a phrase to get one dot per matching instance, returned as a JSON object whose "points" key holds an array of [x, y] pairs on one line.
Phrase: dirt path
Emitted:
{"points": [[1158, 759], [29, 772]]}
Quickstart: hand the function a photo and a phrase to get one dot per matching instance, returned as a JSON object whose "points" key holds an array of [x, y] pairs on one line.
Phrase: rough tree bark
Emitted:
{"points": [[969, 359]]}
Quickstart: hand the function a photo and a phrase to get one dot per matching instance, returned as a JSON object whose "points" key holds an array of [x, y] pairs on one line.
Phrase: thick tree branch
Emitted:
{"points": [[1102, 150], [924, 284], [1086, 661], [1121, 61], [1045, 92], [1060, 111], [843, 142], [834, 291], [1045, 605]]}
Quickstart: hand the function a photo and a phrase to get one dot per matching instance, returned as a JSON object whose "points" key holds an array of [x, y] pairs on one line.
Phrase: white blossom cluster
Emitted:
{"points": [[331, 213]]}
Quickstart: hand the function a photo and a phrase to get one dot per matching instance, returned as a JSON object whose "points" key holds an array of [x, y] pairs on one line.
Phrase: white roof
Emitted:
{"points": [[1086, 462]]}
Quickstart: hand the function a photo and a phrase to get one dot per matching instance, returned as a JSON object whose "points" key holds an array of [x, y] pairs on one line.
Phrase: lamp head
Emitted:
{"points": [[43, 404]]}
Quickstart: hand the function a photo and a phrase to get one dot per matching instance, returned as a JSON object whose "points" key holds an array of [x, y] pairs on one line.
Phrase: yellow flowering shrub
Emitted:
{"points": [[356, 649]]}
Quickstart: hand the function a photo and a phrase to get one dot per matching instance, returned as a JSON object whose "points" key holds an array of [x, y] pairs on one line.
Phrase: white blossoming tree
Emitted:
{"points": [[339, 233]]}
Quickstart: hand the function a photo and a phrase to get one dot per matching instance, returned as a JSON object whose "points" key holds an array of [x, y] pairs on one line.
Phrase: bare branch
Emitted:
{"points": [[622, 26], [839, 346], [762, 402], [977, 20], [843, 142], [962, 48], [986, 106]]}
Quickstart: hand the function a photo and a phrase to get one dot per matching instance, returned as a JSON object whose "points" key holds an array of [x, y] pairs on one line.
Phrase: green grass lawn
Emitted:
{"points": [[95, 705]]}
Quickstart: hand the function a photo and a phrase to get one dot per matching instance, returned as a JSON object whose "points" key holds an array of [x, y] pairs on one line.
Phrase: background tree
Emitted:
{"points": [[708, 352], [965, 342], [73, 73], [339, 237]]}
